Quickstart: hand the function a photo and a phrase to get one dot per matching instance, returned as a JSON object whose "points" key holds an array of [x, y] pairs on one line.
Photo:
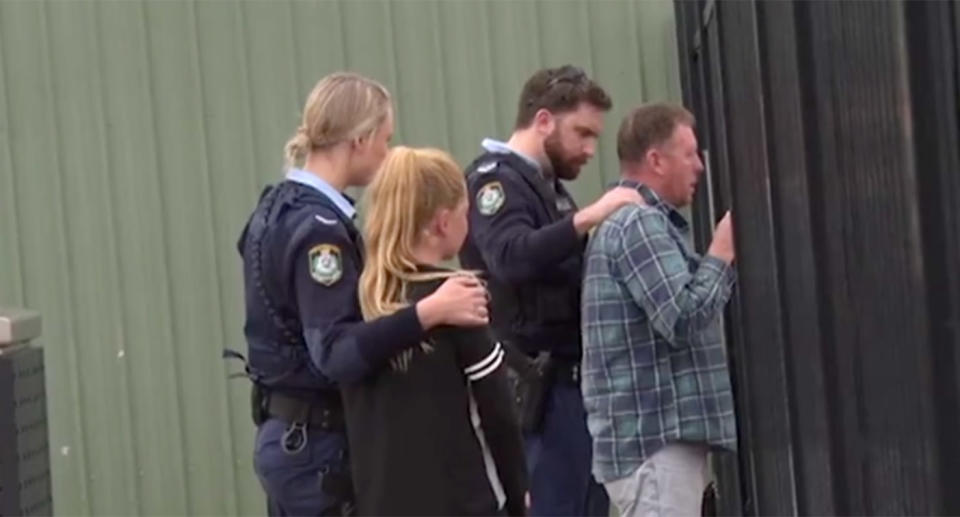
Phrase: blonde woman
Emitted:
{"points": [[302, 257], [436, 433]]}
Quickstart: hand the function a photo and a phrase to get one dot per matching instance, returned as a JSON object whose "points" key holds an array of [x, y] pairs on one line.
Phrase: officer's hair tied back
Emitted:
{"points": [[407, 193], [342, 106], [559, 90]]}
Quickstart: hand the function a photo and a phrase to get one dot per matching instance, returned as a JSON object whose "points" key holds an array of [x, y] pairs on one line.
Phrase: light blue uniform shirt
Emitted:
{"points": [[312, 180], [496, 146]]}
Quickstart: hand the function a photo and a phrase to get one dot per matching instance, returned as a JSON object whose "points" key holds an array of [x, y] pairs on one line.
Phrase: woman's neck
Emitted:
{"points": [[330, 166]]}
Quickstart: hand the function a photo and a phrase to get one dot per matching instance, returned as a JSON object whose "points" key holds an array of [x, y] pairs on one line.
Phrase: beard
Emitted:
{"points": [[564, 167]]}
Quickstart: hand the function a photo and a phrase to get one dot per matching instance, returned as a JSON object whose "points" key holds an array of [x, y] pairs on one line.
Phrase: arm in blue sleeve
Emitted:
{"points": [[342, 346], [511, 246], [352, 349], [678, 302]]}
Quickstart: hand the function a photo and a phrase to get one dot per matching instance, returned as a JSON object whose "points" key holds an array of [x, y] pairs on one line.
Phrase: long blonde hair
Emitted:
{"points": [[410, 187], [341, 107]]}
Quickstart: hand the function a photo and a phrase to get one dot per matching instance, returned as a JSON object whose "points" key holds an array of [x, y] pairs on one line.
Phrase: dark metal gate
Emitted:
{"points": [[831, 129]]}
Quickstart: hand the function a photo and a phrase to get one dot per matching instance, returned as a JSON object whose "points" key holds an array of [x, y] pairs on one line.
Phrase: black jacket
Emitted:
{"points": [[440, 437]]}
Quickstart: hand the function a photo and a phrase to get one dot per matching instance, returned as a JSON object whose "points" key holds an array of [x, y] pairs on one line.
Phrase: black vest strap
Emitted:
{"points": [[271, 205]]}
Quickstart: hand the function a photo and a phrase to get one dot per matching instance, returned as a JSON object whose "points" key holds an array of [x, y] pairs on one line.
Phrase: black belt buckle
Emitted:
{"points": [[329, 419], [326, 420], [568, 372]]}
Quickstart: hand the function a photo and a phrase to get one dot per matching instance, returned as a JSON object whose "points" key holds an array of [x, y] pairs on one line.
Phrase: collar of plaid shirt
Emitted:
{"points": [[653, 199]]}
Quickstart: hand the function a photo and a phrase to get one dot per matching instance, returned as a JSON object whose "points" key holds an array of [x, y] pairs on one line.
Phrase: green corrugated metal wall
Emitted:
{"points": [[134, 138]]}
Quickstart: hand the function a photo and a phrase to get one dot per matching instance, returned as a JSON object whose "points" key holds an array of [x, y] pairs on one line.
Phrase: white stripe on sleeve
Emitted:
{"points": [[483, 363], [488, 370]]}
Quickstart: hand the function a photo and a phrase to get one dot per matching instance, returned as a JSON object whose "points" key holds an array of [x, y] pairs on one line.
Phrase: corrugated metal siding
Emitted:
{"points": [[134, 138], [833, 128]]}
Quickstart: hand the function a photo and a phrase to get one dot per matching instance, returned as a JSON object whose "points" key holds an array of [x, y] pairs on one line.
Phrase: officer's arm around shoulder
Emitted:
{"points": [[324, 277], [504, 230]]}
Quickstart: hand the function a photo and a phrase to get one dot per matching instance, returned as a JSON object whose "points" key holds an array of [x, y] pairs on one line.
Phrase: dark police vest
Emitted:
{"points": [[541, 315], [278, 355]]}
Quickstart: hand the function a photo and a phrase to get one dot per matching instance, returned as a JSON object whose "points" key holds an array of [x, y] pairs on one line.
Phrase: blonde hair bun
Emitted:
{"points": [[342, 106]]}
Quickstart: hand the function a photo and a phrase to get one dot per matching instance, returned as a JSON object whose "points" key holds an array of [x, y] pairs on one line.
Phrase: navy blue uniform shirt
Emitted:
{"points": [[522, 236], [302, 259]]}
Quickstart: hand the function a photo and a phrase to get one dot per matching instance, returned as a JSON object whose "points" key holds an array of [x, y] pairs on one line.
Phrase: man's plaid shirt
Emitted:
{"points": [[654, 364]]}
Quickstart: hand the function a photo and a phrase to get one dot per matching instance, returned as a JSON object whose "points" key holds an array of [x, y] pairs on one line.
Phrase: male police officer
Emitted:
{"points": [[527, 235]]}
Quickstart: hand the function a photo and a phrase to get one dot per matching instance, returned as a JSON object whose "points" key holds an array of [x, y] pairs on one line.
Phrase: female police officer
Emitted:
{"points": [[302, 257]]}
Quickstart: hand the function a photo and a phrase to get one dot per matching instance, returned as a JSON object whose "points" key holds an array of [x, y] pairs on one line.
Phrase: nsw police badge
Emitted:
{"points": [[326, 267], [490, 198]]}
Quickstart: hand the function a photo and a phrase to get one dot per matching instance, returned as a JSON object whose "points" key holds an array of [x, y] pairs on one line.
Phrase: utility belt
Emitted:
{"points": [[317, 409], [532, 378], [321, 410], [324, 412]]}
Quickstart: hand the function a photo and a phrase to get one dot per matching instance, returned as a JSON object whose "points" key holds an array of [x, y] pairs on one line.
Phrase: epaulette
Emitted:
{"points": [[488, 166]]}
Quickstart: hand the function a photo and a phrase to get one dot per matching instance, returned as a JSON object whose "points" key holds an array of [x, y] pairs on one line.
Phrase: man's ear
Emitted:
{"points": [[654, 158], [544, 121]]}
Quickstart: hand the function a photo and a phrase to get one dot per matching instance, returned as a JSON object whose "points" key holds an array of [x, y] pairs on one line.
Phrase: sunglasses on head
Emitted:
{"points": [[570, 74]]}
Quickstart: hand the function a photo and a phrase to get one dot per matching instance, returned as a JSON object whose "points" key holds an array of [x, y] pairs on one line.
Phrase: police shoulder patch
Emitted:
{"points": [[326, 265], [490, 198]]}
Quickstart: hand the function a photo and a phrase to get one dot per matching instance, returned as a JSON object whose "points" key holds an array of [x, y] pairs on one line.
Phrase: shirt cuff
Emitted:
{"points": [[726, 273]]}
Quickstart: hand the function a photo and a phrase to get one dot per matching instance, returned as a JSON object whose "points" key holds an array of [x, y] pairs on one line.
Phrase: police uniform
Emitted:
{"points": [[302, 257], [522, 236]]}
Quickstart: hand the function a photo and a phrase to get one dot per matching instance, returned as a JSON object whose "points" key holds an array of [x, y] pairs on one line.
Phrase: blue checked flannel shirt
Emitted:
{"points": [[654, 364]]}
